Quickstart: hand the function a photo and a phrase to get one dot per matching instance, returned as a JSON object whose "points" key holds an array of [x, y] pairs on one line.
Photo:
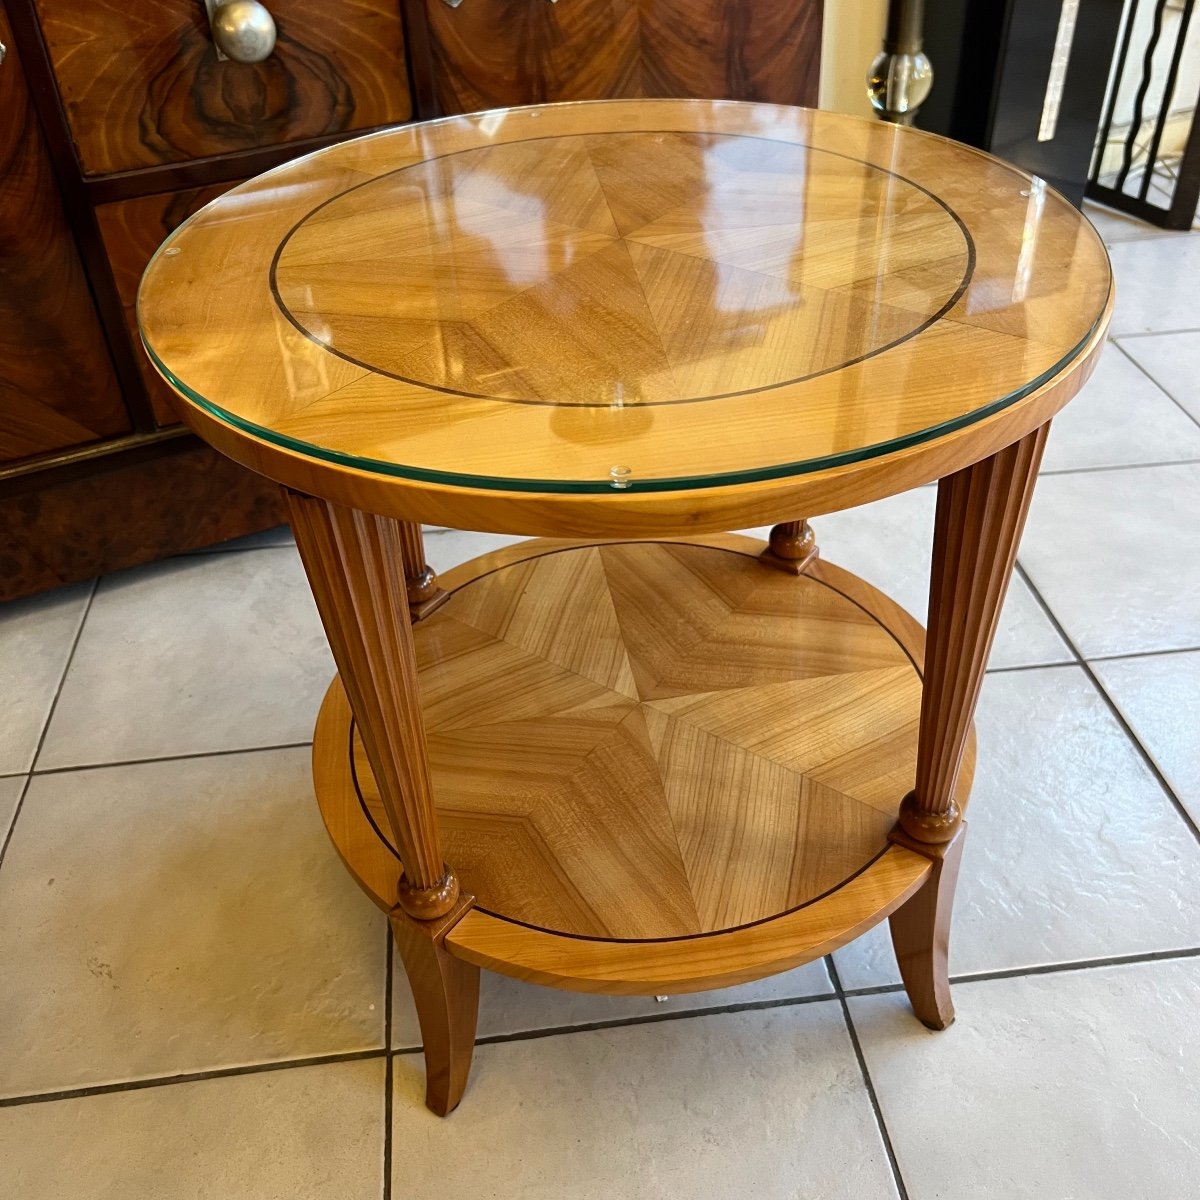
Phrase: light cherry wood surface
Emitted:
{"points": [[820, 309], [646, 756], [642, 747]]}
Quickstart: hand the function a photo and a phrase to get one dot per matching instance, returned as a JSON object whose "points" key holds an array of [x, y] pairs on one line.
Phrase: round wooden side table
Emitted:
{"points": [[641, 754]]}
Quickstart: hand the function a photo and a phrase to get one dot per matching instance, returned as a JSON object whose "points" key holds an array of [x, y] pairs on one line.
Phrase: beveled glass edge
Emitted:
{"points": [[677, 483], [604, 486]]}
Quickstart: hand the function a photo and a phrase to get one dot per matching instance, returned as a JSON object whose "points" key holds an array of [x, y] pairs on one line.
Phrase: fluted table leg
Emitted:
{"points": [[981, 511], [358, 567]]}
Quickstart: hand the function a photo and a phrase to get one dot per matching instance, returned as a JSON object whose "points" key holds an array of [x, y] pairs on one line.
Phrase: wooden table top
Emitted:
{"points": [[623, 298]]}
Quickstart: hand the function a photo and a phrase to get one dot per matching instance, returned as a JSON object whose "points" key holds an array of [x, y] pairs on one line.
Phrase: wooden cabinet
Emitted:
{"points": [[142, 85], [57, 386], [490, 53], [132, 230], [119, 121]]}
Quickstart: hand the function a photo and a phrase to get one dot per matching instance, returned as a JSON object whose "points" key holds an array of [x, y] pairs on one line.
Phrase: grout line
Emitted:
{"points": [[840, 995], [1049, 666], [135, 762], [1167, 462], [1140, 333], [139, 1085], [531, 1035], [215, 551], [1170, 396], [37, 750], [1107, 658], [1082, 964], [1117, 715], [1040, 600], [387, 1073], [897, 1177]]}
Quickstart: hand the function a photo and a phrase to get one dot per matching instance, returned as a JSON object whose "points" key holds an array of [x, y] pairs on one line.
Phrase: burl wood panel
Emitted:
{"points": [[141, 83], [76, 530], [57, 387], [132, 230], [490, 53]]}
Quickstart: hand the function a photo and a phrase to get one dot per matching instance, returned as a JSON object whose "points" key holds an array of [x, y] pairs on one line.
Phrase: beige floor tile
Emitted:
{"points": [[199, 653], [1120, 417], [1173, 359], [889, 544], [10, 796], [179, 916], [1116, 226], [453, 546], [1160, 698], [1156, 284], [1074, 1086], [1073, 851], [308, 1132], [766, 1104], [1116, 555], [510, 1006], [36, 635]]}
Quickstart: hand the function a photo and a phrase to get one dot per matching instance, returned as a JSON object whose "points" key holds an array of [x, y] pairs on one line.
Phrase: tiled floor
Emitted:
{"points": [[195, 1000]]}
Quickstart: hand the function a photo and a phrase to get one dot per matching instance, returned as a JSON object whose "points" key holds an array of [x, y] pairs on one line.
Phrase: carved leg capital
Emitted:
{"points": [[791, 547], [425, 595]]}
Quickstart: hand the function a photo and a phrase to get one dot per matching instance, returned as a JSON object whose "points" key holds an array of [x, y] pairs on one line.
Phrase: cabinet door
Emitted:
{"points": [[141, 83], [57, 387], [491, 53], [132, 230]]}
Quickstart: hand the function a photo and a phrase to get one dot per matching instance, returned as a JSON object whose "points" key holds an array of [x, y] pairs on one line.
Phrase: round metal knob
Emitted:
{"points": [[243, 30]]}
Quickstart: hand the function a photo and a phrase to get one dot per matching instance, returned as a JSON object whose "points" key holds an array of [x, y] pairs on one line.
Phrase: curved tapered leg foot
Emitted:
{"points": [[446, 994], [921, 935]]}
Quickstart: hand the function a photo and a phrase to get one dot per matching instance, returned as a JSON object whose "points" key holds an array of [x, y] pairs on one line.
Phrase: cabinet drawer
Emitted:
{"points": [[142, 85], [132, 230]]}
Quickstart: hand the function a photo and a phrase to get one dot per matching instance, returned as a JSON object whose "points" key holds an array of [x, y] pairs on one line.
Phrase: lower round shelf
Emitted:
{"points": [[656, 764]]}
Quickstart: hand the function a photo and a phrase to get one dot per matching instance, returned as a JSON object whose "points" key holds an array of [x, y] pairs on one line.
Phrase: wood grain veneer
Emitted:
{"points": [[57, 386], [132, 230], [757, 806], [694, 295], [492, 53], [141, 84]]}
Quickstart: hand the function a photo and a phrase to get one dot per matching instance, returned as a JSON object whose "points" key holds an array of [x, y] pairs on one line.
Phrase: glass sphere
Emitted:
{"points": [[899, 83]]}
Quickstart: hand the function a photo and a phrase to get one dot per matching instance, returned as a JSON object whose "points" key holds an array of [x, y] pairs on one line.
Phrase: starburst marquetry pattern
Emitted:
{"points": [[660, 266], [654, 740]]}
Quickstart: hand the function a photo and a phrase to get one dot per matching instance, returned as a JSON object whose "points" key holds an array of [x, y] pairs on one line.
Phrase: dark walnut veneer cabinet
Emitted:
{"points": [[120, 120]]}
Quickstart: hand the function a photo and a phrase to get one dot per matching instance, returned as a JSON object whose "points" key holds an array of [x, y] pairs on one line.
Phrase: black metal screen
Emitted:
{"points": [[1162, 189]]}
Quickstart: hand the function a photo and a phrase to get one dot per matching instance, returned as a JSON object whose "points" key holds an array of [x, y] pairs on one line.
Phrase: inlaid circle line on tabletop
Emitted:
{"points": [[1031, 308], [792, 601], [955, 294]]}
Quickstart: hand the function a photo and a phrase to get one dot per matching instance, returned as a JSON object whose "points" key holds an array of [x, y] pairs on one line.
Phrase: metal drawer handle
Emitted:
{"points": [[456, 3], [242, 30]]}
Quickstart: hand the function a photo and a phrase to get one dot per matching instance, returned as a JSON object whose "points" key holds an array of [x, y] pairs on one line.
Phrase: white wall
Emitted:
{"points": [[853, 35]]}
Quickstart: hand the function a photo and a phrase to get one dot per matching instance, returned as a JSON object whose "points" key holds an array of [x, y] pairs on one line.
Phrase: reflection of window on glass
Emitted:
{"points": [[1058, 69]]}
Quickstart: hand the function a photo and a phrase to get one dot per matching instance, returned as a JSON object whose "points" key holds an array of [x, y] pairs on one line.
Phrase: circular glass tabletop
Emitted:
{"points": [[622, 295]]}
